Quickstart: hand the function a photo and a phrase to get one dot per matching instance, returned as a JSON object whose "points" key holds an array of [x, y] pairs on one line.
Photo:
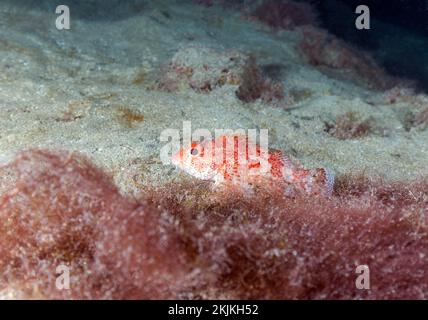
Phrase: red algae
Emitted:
{"points": [[188, 240], [51, 217], [268, 247], [47, 218], [255, 86], [285, 14], [140, 256]]}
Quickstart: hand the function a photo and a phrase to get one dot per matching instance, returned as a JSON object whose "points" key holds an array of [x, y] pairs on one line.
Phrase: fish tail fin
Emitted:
{"points": [[322, 181], [329, 181], [316, 181]]}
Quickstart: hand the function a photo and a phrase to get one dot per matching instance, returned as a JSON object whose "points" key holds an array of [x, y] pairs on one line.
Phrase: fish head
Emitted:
{"points": [[196, 160]]}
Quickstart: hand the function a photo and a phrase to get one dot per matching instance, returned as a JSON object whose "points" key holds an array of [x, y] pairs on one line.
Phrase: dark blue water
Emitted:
{"points": [[398, 37]]}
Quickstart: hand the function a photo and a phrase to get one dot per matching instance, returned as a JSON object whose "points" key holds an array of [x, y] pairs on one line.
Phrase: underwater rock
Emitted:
{"points": [[201, 69]]}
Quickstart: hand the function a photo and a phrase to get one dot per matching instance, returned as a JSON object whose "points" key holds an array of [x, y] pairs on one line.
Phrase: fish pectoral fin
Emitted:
{"points": [[218, 179]]}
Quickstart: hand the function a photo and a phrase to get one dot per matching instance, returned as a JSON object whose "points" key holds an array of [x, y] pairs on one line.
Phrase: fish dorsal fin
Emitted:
{"points": [[275, 153]]}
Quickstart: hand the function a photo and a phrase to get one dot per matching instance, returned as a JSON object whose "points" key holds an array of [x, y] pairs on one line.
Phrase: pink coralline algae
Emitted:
{"points": [[187, 240]]}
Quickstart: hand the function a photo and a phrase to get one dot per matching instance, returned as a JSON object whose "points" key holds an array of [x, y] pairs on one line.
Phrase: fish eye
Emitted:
{"points": [[194, 152]]}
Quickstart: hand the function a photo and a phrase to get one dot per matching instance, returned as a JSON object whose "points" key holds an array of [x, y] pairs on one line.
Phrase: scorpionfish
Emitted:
{"points": [[238, 160]]}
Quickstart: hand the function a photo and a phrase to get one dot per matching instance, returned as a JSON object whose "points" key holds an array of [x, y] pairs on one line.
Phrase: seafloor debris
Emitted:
{"points": [[418, 120], [76, 110], [349, 126], [128, 117], [186, 240], [421, 119], [398, 94], [140, 78]]}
